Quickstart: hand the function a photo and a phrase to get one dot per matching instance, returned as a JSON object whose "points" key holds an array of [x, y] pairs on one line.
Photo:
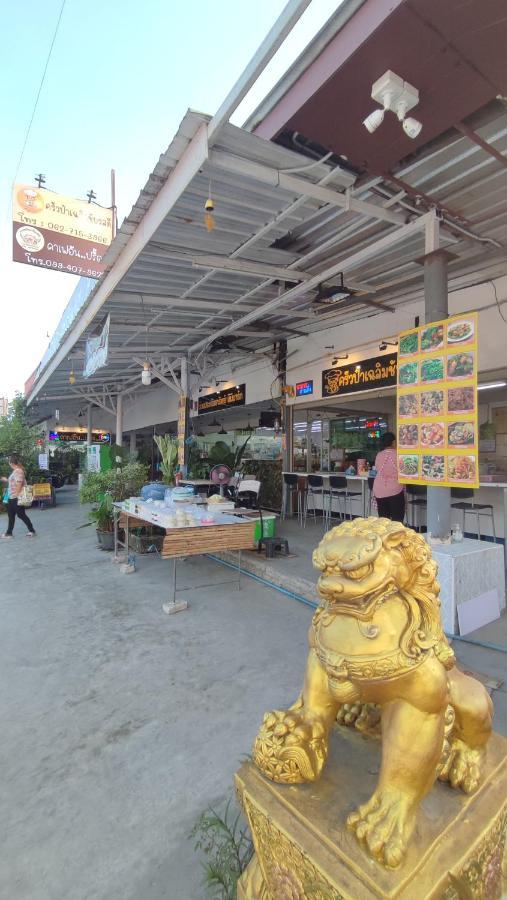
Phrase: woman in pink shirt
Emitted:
{"points": [[388, 492]]}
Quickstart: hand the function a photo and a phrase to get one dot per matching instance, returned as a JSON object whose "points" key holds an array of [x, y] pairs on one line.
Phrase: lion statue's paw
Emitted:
{"points": [[290, 748], [365, 717], [385, 824], [461, 766]]}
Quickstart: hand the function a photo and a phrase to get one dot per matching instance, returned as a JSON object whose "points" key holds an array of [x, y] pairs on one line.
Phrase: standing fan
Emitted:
{"points": [[221, 475]]}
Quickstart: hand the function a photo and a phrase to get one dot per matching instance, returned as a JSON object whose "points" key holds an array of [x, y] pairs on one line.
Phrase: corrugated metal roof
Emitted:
{"points": [[185, 301]]}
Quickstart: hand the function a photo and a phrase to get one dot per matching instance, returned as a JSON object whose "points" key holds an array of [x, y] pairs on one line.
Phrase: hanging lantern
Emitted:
{"points": [[72, 377], [146, 374], [209, 219]]}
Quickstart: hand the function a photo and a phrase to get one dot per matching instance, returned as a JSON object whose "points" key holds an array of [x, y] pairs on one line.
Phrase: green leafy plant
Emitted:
{"points": [[222, 454], [168, 449], [102, 514], [227, 847], [122, 483]]}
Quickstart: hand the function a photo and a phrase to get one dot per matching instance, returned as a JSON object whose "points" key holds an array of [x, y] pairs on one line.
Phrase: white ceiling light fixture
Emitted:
{"points": [[398, 96], [491, 385]]}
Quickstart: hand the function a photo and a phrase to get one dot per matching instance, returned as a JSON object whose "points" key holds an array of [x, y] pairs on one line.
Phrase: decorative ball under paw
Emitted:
{"points": [[289, 749]]}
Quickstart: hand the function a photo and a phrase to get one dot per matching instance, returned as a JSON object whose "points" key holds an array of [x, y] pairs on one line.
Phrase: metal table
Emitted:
{"points": [[244, 541]]}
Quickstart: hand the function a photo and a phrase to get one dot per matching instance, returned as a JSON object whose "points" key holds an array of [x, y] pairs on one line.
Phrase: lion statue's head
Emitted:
{"points": [[365, 560]]}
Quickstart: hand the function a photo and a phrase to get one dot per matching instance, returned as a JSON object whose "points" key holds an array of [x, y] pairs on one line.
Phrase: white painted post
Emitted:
{"points": [[119, 420], [89, 426]]}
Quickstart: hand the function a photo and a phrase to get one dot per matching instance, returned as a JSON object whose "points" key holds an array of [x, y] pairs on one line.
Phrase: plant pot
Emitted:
{"points": [[105, 539]]}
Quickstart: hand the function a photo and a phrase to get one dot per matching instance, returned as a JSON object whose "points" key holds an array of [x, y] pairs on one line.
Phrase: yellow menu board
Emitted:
{"points": [[437, 435]]}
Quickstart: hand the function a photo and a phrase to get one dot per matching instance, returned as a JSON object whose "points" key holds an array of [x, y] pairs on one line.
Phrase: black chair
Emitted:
{"points": [[417, 498], [474, 509], [290, 489], [339, 488], [315, 491]]}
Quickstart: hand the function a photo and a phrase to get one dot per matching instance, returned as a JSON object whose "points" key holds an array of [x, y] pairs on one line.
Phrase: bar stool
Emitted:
{"points": [[475, 509], [315, 491], [417, 498], [291, 488], [339, 488]]}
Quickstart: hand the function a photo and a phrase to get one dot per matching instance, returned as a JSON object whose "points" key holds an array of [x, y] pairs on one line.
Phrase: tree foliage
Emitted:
{"points": [[18, 436]]}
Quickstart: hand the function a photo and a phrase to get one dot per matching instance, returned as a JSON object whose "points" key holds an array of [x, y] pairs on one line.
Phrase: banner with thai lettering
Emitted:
{"points": [[375, 372], [96, 351], [437, 423], [59, 233]]}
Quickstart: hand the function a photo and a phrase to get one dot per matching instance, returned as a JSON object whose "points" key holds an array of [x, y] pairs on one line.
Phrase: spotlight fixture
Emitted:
{"points": [[412, 127], [372, 122], [332, 293], [222, 430], [336, 359], [146, 374], [397, 96], [385, 344], [358, 367]]}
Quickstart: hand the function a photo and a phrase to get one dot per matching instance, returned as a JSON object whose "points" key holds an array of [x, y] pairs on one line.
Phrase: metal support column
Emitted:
{"points": [[435, 309], [89, 426], [133, 443], [119, 420]]}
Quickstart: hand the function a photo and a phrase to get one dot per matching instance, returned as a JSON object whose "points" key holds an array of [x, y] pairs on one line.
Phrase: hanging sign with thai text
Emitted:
{"points": [[377, 372], [233, 396], [59, 233]]}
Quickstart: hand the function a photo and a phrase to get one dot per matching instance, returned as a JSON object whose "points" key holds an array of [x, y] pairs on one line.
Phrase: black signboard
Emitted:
{"points": [[377, 372], [233, 396]]}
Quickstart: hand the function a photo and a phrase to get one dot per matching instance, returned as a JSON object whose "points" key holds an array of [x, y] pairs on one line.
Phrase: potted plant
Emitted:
{"points": [[168, 449], [102, 515]]}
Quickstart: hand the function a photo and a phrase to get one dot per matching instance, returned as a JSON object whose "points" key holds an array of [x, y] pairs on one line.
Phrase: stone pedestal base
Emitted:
{"points": [[304, 850]]}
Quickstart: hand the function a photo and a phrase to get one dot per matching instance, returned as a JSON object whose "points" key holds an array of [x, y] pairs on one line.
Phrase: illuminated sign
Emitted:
{"points": [[233, 396], [98, 437], [368, 374], [303, 388]]}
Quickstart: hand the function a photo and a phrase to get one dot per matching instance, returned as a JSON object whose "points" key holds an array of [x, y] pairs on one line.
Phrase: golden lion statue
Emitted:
{"points": [[379, 657]]}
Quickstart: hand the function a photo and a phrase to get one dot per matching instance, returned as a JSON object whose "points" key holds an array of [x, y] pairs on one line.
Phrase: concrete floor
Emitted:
{"points": [[120, 725]]}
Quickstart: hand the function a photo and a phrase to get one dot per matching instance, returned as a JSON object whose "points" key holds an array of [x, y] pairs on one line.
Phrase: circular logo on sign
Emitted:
{"points": [[30, 199], [30, 238]]}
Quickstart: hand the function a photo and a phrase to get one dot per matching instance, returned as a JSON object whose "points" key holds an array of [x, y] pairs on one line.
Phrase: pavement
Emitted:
{"points": [[120, 724]]}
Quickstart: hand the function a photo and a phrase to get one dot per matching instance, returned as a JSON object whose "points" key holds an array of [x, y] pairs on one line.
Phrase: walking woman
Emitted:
{"points": [[16, 482], [388, 492]]}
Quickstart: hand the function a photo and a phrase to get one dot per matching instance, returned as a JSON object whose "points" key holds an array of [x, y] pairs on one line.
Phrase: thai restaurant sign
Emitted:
{"points": [[376, 372], [437, 429], [59, 233], [234, 396]]}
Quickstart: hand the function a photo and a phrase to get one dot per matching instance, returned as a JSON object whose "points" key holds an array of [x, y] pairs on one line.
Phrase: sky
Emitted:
{"points": [[121, 76]]}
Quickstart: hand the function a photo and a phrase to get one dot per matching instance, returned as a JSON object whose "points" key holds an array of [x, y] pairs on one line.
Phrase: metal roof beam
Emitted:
{"points": [[293, 184], [248, 267], [344, 265]]}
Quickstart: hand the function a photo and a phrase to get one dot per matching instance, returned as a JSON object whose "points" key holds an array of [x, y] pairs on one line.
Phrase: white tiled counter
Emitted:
{"points": [[472, 583]]}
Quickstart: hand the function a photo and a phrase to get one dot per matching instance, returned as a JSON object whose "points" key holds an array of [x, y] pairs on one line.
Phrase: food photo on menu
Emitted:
{"points": [[460, 365], [432, 403], [461, 434], [408, 406], [408, 373], [408, 436], [461, 468], [432, 370], [460, 332], [408, 344], [432, 434], [461, 400], [432, 338], [408, 465], [433, 468]]}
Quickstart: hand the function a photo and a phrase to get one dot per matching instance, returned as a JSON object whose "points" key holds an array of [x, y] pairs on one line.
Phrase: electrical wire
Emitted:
{"points": [[34, 110], [500, 313]]}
